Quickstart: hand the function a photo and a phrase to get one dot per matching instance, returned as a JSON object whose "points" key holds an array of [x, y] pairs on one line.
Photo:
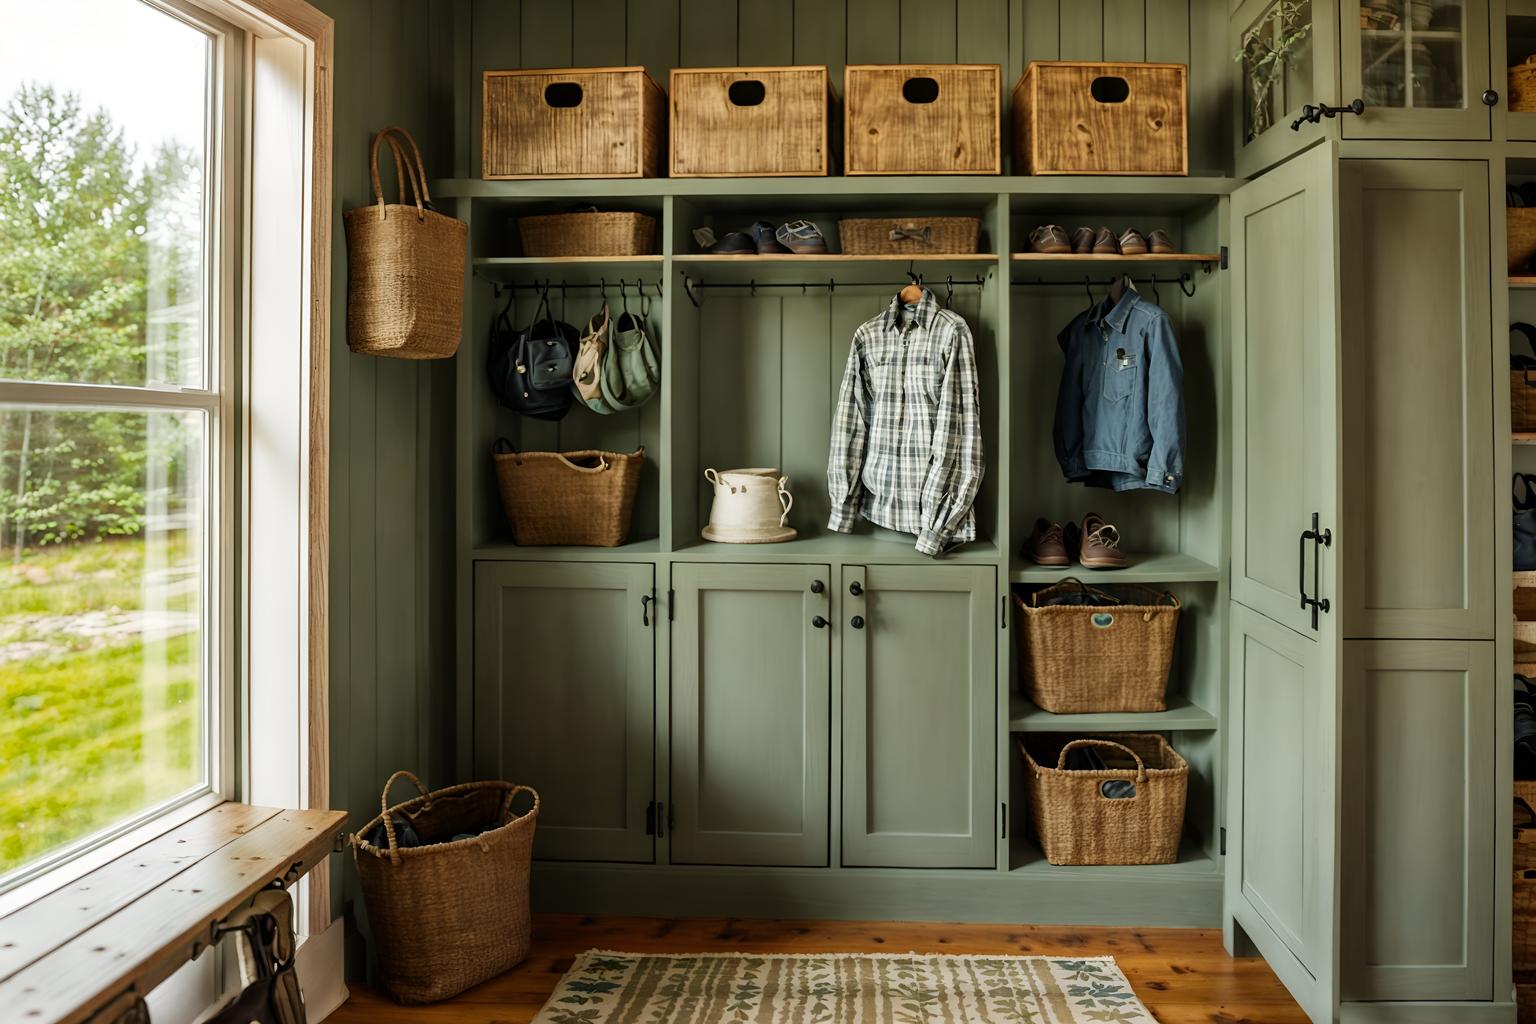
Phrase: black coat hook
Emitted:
{"points": [[1185, 279]]}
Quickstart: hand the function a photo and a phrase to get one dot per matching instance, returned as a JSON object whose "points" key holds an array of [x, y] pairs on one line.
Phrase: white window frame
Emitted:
{"points": [[277, 248]]}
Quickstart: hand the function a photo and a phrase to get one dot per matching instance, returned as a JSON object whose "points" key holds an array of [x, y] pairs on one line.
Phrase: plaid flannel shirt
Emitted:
{"points": [[906, 437]]}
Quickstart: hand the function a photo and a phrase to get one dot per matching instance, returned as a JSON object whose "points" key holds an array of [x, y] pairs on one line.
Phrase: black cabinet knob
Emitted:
{"points": [[855, 588], [1490, 98], [817, 586], [819, 622], [857, 622]]}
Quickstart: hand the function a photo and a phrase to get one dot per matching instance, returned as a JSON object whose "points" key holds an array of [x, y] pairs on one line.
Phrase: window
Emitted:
{"points": [[119, 212]]}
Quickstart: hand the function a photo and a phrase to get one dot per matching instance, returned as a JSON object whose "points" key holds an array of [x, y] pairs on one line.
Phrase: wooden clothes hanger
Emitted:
{"points": [[912, 293]]}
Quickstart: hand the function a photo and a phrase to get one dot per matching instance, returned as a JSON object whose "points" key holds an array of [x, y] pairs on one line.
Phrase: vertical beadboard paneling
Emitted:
{"points": [[547, 35], [821, 36], [928, 31], [981, 34], [808, 391], [1125, 30], [1041, 30], [653, 36], [598, 38], [706, 33], [1167, 31], [1081, 30], [495, 27], [765, 32], [875, 32]]}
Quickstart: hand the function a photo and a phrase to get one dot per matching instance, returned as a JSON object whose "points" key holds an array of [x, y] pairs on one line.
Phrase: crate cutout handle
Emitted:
{"points": [[920, 90], [749, 92], [1109, 89], [564, 95]]}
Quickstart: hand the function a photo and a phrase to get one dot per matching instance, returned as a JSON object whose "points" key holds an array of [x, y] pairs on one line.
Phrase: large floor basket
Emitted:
{"points": [[1091, 817], [583, 497], [449, 914]]}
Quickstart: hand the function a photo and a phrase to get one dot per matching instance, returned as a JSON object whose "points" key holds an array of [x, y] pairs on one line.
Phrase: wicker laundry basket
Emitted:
{"points": [[582, 498], [874, 236], [447, 916], [405, 266], [1079, 824], [1522, 86], [1077, 659], [588, 233]]}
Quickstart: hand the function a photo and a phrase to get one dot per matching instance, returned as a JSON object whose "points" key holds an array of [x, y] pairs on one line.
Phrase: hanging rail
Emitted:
{"points": [[1186, 282], [499, 288], [830, 284]]}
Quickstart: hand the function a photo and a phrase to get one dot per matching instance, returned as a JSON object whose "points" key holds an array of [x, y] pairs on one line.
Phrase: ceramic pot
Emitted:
{"points": [[751, 506]]}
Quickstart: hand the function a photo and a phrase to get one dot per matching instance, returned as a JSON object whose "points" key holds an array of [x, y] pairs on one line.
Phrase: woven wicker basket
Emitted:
{"points": [[1083, 658], [1078, 824], [1522, 86], [1522, 385], [589, 233], [1521, 221], [447, 916], [875, 236], [583, 497], [405, 266]]}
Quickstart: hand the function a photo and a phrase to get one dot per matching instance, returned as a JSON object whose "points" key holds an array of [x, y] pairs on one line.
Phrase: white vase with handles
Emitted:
{"points": [[751, 506]]}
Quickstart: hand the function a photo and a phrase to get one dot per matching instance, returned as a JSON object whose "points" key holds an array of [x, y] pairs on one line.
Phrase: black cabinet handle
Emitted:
{"points": [[1320, 539], [645, 609], [855, 588], [817, 586], [857, 622], [1313, 113], [1490, 97], [819, 622]]}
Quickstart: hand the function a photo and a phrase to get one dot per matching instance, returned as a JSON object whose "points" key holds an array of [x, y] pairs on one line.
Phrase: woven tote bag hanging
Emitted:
{"points": [[449, 914], [405, 265]]}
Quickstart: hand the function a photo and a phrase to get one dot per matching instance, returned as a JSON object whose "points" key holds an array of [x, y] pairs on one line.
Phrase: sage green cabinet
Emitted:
{"points": [[751, 705], [1421, 68], [919, 663], [1418, 777], [1287, 61], [564, 699], [1418, 511]]}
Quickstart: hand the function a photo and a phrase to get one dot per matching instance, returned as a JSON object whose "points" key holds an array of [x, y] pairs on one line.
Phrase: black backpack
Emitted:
{"points": [[530, 370]]}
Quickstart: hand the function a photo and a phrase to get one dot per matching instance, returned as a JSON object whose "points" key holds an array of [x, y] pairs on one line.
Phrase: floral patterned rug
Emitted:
{"points": [[604, 987]]}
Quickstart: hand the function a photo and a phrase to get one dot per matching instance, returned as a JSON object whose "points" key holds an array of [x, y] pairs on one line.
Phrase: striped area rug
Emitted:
{"points": [[604, 987]]}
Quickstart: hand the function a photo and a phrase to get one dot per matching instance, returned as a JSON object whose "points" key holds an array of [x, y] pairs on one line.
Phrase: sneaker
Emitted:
{"points": [[803, 237], [1133, 243], [765, 239], [1082, 240], [1101, 544], [1104, 243], [1051, 238], [734, 243], [1158, 242], [1045, 545]]}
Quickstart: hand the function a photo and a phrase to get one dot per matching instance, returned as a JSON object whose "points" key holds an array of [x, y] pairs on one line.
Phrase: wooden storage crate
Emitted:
{"points": [[572, 123], [1100, 117], [923, 119], [751, 122], [1520, 224]]}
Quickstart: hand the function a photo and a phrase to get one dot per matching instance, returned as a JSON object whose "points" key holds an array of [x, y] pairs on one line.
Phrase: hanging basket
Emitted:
{"points": [[448, 915]]}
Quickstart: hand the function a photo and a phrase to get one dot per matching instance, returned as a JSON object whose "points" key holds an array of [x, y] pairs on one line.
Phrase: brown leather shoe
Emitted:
{"points": [[1050, 238], [1045, 545], [1082, 241], [1101, 544], [1104, 243], [1158, 242], [1133, 243]]}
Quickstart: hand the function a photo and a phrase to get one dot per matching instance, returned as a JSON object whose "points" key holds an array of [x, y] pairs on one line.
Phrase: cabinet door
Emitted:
{"points": [[750, 710], [1282, 793], [1418, 780], [565, 699], [1418, 508], [1288, 51], [1420, 67], [919, 716]]}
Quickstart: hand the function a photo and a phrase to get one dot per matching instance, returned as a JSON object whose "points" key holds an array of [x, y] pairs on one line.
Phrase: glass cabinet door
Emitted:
{"points": [[1420, 66], [1282, 58]]}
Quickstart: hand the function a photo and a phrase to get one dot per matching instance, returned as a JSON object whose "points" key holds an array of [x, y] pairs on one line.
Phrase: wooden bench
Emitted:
{"points": [[129, 924]]}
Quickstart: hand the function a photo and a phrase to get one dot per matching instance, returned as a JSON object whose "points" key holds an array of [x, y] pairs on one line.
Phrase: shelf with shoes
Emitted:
{"points": [[1162, 567]]}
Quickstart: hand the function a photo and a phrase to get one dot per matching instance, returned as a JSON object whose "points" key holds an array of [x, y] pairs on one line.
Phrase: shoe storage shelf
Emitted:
{"points": [[711, 670]]}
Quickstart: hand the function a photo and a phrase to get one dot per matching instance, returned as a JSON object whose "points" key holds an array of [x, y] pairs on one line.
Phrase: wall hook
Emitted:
{"points": [[1185, 279], [688, 290], [1156, 296]]}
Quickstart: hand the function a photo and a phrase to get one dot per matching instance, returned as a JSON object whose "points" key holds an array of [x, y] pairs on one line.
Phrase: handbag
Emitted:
{"points": [[263, 929], [631, 374], [531, 370], [1522, 381], [1525, 522], [405, 265]]}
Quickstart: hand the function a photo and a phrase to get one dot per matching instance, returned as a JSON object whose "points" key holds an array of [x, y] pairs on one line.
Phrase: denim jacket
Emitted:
{"points": [[1120, 410]]}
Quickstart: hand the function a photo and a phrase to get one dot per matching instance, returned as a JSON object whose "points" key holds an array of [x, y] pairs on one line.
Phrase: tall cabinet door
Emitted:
{"points": [[1419, 787], [919, 716], [751, 702], [1417, 504], [565, 699], [1283, 708]]}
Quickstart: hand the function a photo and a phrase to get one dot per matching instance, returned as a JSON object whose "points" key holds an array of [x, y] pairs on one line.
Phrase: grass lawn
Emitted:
{"points": [[95, 723]]}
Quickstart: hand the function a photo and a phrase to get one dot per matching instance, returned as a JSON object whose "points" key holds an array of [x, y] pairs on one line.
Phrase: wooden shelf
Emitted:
{"points": [[726, 260], [1522, 281], [1157, 568], [1522, 438], [1088, 257], [506, 551], [884, 549], [1091, 190], [541, 261], [1181, 716]]}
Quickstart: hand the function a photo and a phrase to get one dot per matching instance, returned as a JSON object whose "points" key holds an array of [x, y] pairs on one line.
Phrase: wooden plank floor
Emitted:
{"points": [[1182, 974]]}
